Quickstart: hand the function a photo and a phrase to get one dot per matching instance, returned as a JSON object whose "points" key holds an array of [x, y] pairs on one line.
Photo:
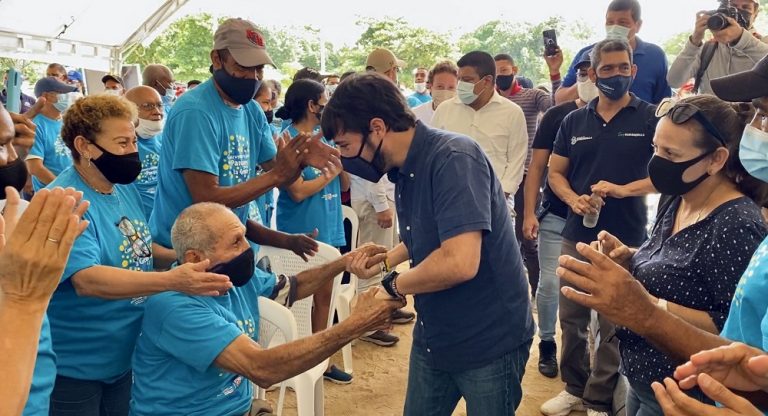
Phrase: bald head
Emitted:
{"points": [[158, 77], [148, 101], [197, 228]]}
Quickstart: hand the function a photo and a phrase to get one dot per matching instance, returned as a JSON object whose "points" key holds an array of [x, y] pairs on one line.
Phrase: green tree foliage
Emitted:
{"points": [[184, 47], [418, 47], [523, 42], [30, 70], [674, 45]]}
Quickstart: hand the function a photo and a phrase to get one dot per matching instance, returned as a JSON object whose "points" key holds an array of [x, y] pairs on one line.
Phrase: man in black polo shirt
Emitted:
{"points": [[466, 274], [601, 149]]}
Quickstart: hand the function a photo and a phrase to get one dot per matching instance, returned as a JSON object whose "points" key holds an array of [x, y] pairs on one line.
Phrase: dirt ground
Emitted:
{"points": [[381, 375]]}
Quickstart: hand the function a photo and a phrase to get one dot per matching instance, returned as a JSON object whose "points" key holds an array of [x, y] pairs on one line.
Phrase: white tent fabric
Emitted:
{"points": [[92, 34]]}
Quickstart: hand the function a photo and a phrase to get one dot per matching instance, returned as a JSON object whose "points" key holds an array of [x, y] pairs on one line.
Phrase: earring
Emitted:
{"points": [[88, 158]]}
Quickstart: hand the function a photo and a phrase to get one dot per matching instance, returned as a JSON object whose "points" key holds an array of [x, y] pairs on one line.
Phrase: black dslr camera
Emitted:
{"points": [[717, 18]]}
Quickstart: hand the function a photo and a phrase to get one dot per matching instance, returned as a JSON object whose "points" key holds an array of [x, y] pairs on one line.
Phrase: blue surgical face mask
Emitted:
{"points": [[753, 152], [62, 102], [614, 88], [466, 92]]}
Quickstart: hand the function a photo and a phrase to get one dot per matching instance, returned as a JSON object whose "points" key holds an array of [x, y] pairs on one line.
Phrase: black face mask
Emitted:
{"points": [[240, 90], [239, 270], [667, 176], [120, 169], [319, 113], [13, 174], [370, 171], [270, 116], [504, 82]]}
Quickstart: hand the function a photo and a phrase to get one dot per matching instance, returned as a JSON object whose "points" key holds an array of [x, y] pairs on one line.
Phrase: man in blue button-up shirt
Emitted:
{"points": [[474, 327]]}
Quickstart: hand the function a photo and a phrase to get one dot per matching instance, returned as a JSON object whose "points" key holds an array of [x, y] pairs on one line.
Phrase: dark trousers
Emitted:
{"points": [[73, 397], [594, 386], [493, 390], [528, 248]]}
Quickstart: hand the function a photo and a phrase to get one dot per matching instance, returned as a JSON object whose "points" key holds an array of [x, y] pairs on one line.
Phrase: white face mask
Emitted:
{"points": [[466, 92], [149, 128], [587, 90], [331, 88], [116, 93], [441, 96], [617, 32], [421, 87]]}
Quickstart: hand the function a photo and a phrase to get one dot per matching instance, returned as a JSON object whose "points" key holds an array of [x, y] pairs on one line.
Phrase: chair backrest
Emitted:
{"points": [[276, 322], [351, 216], [287, 263]]}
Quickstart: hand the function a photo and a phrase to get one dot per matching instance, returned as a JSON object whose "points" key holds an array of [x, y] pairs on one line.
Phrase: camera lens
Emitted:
{"points": [[717, 22]]}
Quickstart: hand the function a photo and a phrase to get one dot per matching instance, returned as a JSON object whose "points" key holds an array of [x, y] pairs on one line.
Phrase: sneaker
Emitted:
{"points": [[548, 359], [591, 412], [381, 338], [561, 405], [400, 316], [335, 375]]}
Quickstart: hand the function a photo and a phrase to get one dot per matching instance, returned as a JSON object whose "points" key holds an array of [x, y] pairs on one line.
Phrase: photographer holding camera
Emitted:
{"points": [[732, 49]]}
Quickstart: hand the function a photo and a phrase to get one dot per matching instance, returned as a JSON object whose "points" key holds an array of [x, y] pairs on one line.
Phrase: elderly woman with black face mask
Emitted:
{"points": [[703, 238], [96, 311]]}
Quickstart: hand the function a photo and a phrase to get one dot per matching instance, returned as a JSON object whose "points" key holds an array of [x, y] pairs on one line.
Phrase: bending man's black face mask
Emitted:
{"points": [[370, 171], [240, 269]]}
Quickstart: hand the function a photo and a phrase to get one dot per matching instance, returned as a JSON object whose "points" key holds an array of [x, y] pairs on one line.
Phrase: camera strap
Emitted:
{"points": [[707, 52]]}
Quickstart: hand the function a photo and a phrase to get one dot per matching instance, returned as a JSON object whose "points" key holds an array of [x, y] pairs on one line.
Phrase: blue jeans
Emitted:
{"points": [[548, 294], [493, 390], [641, 401], [73, 397]]}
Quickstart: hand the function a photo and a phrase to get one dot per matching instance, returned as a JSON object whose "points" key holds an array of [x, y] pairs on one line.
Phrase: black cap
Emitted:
{"points": [[108, 77], [743, 86]]}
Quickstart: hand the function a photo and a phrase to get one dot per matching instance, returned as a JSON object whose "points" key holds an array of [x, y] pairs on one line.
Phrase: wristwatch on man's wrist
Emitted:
{"points": [[389, 282]]}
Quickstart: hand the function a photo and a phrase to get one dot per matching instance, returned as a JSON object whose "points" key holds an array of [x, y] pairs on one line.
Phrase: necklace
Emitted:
{"points": [[701, 211], [87, 182]]}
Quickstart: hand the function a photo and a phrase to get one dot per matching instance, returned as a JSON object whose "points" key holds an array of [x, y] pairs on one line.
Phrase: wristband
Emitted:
{"points": [[663, 304], [385, 266], [554, 77]]}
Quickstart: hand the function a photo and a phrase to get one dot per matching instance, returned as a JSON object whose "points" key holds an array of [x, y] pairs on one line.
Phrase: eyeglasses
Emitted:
{"points": [[150, 106], [138, 244], [679, 113]]}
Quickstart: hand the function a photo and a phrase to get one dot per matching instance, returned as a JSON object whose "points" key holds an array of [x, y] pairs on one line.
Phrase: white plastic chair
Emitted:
{"points": [[347, 291], [277, 326], [309, 390]]}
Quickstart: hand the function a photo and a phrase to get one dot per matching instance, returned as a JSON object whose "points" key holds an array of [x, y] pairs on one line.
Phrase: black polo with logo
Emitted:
{"points": [[618, 152]]}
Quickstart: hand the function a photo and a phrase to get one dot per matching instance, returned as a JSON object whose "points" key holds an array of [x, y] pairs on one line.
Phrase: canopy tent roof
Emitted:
{"points": [[92, 34]]}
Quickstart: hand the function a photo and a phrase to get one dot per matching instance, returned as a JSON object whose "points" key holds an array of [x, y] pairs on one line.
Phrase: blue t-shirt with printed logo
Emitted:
{"points": [[94, 338], [203, 133], [49, 147], [146, 183], [173, 366], [321, 211], [748, 318]]}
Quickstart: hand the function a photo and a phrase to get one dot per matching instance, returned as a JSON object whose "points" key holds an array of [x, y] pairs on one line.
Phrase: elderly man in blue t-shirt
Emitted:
{"points": [[196, 354]]}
